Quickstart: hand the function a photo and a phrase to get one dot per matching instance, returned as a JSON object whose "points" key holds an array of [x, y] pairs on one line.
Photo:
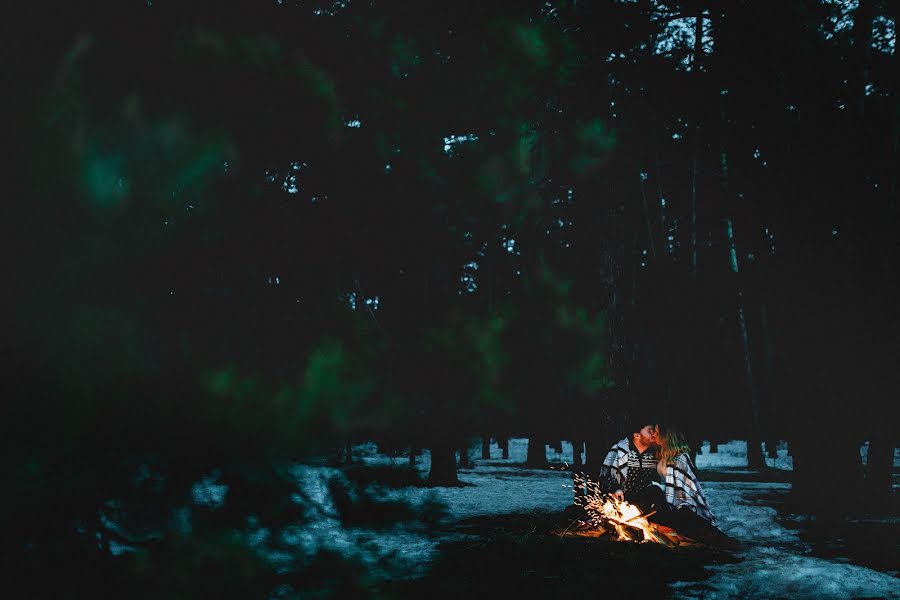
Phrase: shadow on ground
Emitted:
{"points": [[524, 556], [863, 534]]}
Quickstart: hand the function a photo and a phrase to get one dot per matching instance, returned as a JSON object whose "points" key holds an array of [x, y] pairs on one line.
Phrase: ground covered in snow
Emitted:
{"points": [[498, 534]]}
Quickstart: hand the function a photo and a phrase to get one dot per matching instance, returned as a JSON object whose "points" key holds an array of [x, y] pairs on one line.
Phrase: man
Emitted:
{"points": [[629, 470]]}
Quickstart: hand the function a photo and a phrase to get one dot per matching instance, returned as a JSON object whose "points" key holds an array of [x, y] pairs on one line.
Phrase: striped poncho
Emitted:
{"points": [[682, 488], [627, 469]]}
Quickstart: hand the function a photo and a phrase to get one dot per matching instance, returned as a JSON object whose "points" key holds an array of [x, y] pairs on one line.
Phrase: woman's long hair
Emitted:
{"points": [[671, 444]]}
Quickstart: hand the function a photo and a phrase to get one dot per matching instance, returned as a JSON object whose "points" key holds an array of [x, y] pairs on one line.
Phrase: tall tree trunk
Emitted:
{"points": [[695, 441], [645, 209], [694, 219], [443, 466], [412, 456], [663, 229], [537, 453], [386, 447], [348, 450], [634, 269], [465, 461], [577, 446], [879, 471], [768, 381], [503, 443], [596, 447], [895, 138], [593, 456], [713, 446], [755, 458], [880, 467], [486, 447], [577, 471]]}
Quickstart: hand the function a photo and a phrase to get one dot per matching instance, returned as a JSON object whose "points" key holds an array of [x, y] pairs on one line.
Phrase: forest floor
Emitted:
{"points": [[525, 556], [500, 535], [783, 555]]}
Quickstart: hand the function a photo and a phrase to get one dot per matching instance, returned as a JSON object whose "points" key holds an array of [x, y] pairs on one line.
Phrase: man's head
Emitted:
{"points": [[645, 436], [641, 429]]}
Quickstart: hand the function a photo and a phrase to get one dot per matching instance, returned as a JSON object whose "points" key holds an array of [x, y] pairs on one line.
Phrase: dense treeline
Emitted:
{"points": [[240, 237]]}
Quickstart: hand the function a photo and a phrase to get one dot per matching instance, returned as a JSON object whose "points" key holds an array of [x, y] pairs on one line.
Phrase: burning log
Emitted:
{"points": [[625, 520]]}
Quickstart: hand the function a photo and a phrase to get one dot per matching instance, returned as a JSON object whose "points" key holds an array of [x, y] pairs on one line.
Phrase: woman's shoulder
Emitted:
{"points": [[683, 460]]}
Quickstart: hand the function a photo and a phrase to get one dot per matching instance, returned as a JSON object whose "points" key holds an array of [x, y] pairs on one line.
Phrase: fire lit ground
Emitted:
{"points": [[609, 516], [502, 534]]}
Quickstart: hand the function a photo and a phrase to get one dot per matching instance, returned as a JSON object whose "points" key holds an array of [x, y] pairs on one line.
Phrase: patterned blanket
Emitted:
{"points": [[682, 487]]}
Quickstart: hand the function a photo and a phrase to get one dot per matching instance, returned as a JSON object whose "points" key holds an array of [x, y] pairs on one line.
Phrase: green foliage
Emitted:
{"points": [[184, 309], [171, 306], [530, 41], [595, 135], [404, 55], [595, 141], [329, 385]]}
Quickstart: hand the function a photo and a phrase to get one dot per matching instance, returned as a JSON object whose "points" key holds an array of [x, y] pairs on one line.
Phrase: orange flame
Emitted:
{"points": [[604, 509]]}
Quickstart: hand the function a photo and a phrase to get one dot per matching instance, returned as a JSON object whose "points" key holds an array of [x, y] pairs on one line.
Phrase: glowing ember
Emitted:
{"points": [[608, 512]]}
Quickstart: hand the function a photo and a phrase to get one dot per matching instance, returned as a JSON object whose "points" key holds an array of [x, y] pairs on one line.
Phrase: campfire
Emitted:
{"points": [[608, 515]]}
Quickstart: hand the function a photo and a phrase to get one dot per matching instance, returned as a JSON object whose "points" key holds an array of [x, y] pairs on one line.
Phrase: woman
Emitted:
{"points": [[690, 514], [682, 487]]}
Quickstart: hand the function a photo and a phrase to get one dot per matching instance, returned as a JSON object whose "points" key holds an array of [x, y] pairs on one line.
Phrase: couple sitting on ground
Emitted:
{"points": [[653, 470]]}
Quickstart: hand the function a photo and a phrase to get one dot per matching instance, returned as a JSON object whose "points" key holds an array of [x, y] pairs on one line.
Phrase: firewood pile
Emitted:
{"points": [[609, 530], [607, 516]]}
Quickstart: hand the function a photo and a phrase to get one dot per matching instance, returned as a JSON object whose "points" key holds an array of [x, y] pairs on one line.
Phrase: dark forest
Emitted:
{"points": [[246, 236]]}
